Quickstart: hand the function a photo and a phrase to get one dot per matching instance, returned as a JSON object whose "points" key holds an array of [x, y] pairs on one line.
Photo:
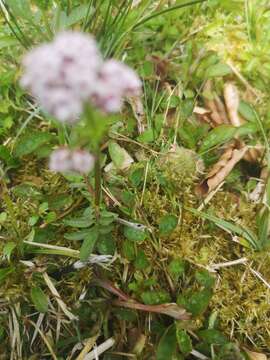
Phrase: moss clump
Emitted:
{"points": [[241, 299], [180, 165]]}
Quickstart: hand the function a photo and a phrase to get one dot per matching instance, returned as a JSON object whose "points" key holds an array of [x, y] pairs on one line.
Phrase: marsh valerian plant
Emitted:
{"points": [[70, 80]]}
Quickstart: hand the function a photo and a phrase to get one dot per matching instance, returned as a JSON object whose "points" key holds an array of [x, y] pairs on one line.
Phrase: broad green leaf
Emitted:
{"points": [[213, 336], [167, 345], [120, 157], [205, 278], [147, 136], [141, 262], [247, 111], [155, 297], [218, 70], [167, 224], [134, 234], [88, 244], [40, 300], [176, 268], [184, 341], [197, 302], [218, 136], [30, 142]]}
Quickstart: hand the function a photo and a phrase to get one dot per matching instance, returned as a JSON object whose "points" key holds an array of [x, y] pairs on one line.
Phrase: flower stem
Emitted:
{"points": [[97, 182]]}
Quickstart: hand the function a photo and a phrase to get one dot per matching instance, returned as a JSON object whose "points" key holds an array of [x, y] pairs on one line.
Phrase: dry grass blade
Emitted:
{"points": [[87, 347], [171, 309], [255, 356], [47, 343], [138, 110], [15, 335], [100, 349], [58, 250], [60, 302]]}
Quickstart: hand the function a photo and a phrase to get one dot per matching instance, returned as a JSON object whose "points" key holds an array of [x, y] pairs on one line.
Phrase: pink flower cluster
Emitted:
{"points": [[65, 74], [66, 160]]}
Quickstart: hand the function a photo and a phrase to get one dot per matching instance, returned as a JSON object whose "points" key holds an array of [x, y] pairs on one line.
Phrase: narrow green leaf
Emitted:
{"points": [[88, 244], [40, 300], [218, 70], [247, 129], [184, 341], [248, 235], [247, 111], [76, 15], [217, 136], [167, 344], [85, 221], [30, 142], [77, 235], [5, 272], [169, 9]]}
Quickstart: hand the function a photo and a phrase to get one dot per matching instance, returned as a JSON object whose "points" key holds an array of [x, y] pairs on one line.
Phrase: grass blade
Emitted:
{"points": [[162, 12]]}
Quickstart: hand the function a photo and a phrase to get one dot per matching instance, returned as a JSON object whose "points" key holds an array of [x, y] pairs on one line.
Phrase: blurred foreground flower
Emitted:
{"points": [[116, 80], [65, 74], [65, 160]]}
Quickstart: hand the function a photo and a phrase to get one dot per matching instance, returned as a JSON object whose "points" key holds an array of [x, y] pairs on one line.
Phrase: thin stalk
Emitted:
{"points": [[5, 12], [24, 39], [97, 182], [162, 12]]}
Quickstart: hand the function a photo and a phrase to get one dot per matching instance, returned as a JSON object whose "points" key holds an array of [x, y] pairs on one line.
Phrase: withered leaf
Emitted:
{"points": [[211, 105], [232, 100], [221, 169], [170, 309], [138, 110], [255, 356]]}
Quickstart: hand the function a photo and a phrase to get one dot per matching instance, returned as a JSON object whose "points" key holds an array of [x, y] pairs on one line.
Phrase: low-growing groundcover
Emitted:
{"points": [[154, 244]]}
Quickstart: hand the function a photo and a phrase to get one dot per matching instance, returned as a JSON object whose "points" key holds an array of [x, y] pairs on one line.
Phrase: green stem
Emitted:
{"points": [[97, 182], [169, 9]]}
